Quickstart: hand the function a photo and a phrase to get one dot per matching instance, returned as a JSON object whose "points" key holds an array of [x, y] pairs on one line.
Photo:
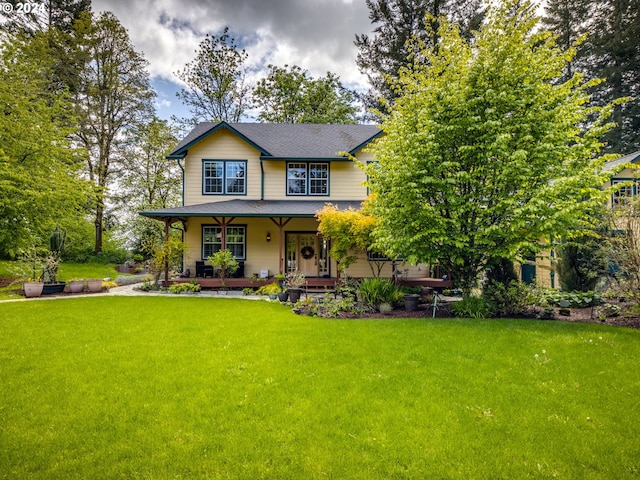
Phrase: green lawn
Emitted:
{"points": [[157, 387]]}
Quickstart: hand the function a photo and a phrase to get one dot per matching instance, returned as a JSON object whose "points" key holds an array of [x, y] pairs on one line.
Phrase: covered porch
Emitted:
{"points": [[270, 237]]}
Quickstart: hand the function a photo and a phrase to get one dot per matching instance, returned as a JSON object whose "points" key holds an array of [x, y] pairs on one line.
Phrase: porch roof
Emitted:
{"points": [[250, 208]]}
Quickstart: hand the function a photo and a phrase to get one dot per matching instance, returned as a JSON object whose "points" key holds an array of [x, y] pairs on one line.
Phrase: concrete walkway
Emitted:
{"points": [[131, 291]]}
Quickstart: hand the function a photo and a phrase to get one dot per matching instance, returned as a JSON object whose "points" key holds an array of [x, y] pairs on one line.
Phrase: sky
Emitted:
{"points": [[316, 35]]}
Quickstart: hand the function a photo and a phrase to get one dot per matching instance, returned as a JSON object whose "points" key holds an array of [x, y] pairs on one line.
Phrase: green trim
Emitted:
{"points": [[307, 193], [184, 149], [306, 159], [362, 145], [224, 162]]}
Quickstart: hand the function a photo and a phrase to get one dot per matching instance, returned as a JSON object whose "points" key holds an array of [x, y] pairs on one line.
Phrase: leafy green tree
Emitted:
{"points": [[289, 95], [483, 154], [349, 231], [150, 181], [215, 80], [114, 96], [397, 22], [40, 181]]}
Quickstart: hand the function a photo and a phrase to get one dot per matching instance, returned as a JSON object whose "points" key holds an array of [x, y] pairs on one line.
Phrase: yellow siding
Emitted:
{"points": [[345, 183], [275, 180], [361, 269], [220, 145]]}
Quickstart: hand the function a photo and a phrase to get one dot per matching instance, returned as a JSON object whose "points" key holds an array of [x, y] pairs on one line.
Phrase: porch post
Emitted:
{"points": [[280, 224], [167, 222]]}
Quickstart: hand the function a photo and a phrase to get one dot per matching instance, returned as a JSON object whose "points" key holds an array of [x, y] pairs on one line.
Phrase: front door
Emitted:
{"points": [[307, 253]]}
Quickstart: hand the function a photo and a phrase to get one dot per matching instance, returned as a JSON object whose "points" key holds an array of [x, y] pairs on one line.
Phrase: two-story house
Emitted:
{"points": [[254, 189]]}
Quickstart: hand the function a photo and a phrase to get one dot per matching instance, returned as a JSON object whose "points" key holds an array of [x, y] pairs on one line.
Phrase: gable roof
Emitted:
{"points": [[288, 140]]}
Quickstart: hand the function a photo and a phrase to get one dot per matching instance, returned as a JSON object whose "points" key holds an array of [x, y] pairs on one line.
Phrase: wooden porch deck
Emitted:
{"points": [[318, 283]]}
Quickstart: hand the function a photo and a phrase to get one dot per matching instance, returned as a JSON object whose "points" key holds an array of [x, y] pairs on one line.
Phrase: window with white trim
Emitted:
{"points": [[307, 178], [224, 177], [236, 240], [625, 193]]}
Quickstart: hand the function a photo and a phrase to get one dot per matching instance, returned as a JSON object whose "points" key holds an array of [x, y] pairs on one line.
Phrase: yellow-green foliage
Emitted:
{"points": [[269, 289], [349, 230]]}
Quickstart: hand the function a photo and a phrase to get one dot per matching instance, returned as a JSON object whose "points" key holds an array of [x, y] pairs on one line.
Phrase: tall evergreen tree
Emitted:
{"points": [[611, 51], [616, 58], [396, 22]]}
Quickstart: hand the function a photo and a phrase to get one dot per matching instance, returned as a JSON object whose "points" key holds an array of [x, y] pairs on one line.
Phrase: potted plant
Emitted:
{"points": [[52, 262], [271, 289], [76, 285], [94, 285], [225, 263], [28, 268], [295, 281]]}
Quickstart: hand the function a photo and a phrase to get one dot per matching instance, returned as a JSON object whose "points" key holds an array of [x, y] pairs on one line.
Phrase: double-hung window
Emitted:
{"points": [[307, 178], [235, 240], [624, 193], [224, 177]]}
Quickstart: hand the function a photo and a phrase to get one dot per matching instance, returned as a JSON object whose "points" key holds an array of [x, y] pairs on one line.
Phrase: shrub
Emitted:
{"points": [[575, 299], [225, 262], [506, 300], [374, 291], [329, 307], [269, 289], [471, 307], [184, 287]]}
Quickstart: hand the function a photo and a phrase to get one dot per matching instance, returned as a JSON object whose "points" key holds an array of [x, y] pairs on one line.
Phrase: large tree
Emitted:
{"points": [[289, 95], [40, 181], [396, 23], [150, 181], [215, 81], [114, 96], [610, 51], [483, 154]]}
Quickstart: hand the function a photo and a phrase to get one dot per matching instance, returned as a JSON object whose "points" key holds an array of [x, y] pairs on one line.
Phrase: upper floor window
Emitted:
{"points": [[224, 177], [625, 193], [307, 178]]}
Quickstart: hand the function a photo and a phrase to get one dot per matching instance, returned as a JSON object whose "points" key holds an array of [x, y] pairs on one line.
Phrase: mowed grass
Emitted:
{"points": [[135, 387]]}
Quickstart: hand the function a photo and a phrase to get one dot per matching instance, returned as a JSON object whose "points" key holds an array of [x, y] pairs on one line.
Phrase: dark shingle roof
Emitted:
{"points": [[251, 208], [289, 140], [631, 158]]}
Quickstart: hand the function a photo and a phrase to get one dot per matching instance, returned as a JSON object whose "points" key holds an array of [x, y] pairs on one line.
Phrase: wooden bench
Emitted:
{"points": [[320, 285]]}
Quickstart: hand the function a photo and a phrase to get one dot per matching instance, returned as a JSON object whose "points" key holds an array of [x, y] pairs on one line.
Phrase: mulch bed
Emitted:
{"points": [[588, 315]]}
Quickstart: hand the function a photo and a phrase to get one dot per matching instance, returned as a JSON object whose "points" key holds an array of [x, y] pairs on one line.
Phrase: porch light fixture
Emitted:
{"points": [[268, 237]]}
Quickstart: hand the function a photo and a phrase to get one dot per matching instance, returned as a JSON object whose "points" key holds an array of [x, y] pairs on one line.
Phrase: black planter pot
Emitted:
{"points": [[411, 302], [294, 294], [50, 288], [283, 296]]}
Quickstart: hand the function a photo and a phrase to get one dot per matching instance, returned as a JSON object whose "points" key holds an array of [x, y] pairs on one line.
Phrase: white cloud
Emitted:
{"points": [[316, 35]]}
